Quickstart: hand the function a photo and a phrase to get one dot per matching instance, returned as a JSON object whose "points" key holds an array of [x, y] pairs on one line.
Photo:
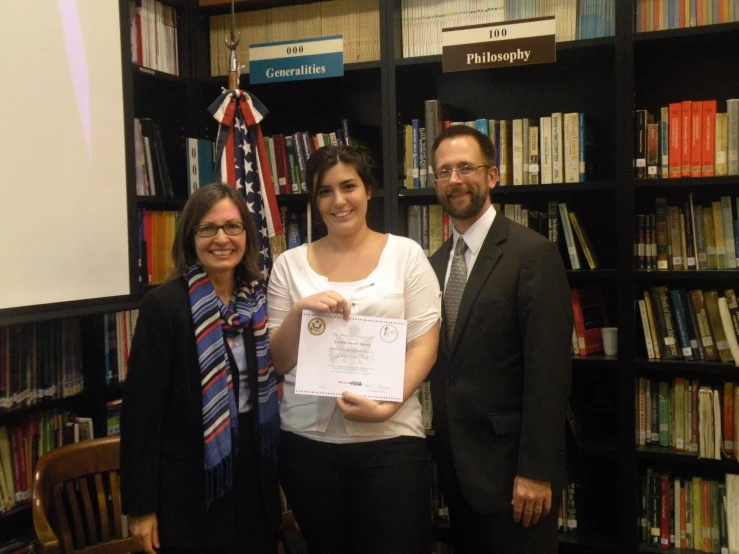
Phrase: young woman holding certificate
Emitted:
{"points": [[355, 471]]}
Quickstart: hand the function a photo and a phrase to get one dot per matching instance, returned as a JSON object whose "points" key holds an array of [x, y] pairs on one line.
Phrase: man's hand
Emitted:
{"points": [[365, 410], [532, 499], [146, 530]]}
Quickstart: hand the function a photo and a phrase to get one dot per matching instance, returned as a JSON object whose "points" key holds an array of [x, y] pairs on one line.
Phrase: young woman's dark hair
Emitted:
{"points": [[198, 205], [327, 157]]}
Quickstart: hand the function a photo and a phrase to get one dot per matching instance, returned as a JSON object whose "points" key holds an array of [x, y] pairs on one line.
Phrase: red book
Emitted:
{"points": [[696, 120], [728, 419], [675, 142], [685, 130], [708, 138], [664, 512]]}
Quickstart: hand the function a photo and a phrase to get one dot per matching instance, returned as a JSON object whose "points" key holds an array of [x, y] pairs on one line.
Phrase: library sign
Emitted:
{"points": [[296, 60], [523, 42]]}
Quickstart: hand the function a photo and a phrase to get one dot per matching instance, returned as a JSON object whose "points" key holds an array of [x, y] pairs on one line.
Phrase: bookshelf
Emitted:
{"points": [[606, 78]]}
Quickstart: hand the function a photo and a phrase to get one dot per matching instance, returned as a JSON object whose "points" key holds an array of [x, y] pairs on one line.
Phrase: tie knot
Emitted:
{"points": [[461, 247]]}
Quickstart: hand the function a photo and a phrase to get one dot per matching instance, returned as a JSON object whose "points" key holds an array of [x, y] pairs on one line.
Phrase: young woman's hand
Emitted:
{"points": [[326, 301], [365, 410]]}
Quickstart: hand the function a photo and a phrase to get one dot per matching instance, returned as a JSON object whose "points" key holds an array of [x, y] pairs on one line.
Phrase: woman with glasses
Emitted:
{"points": [[355, 471], [200, 417]]}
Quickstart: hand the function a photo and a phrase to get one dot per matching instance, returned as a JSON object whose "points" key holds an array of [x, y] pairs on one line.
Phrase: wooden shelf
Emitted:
{"points": [[670, 455], [714, 369], [40, 406], [511, 190], [162, 75], [587, 543], [163, 202], [712, 275], [592, 274], [672, 34], [562, 48], [594, 360], [685, 182]]}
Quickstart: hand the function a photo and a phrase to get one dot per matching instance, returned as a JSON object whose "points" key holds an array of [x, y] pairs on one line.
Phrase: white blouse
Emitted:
{"points": [[403, 286]]}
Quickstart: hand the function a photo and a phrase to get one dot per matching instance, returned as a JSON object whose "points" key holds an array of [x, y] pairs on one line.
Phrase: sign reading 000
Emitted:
{"points": [[296, 60]]}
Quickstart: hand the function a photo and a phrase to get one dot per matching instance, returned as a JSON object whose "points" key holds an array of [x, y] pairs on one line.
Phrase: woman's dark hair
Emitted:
{"points": [[199, 204], [327, 157]]}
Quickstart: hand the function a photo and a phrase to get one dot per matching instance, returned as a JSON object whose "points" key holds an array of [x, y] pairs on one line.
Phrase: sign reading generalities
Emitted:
{"points": [[296, 60], [523, 42]]}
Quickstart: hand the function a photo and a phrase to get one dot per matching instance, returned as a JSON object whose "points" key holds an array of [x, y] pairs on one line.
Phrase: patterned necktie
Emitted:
{"points": [[455, 287]]}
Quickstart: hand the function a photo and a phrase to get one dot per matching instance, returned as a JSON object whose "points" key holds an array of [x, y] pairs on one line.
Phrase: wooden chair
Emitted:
{"points": [[77, 500]]}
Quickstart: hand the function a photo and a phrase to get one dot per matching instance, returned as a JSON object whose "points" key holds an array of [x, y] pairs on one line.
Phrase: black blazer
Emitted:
{"points": [[500, 389], [162, 430]]}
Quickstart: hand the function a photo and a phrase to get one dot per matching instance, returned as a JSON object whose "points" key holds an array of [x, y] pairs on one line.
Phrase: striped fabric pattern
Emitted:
{"points": [[212, 320]]}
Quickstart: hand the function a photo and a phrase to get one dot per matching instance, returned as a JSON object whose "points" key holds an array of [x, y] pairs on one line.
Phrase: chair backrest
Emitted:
{"points": [[77, 500]]}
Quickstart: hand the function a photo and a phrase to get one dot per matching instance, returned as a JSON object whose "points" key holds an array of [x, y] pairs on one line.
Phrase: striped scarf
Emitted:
{"points": [[212, 321]]}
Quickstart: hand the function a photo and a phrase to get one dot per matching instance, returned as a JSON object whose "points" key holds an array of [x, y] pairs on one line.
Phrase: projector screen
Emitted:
{"points": [[63, 208]]}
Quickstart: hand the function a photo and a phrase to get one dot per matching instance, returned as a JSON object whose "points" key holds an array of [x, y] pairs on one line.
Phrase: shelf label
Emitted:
{"points": [[296, 60], [524, 42]]}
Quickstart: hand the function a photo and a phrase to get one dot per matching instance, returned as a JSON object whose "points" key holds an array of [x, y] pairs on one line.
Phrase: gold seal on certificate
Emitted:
{"points": [[364, 355]]}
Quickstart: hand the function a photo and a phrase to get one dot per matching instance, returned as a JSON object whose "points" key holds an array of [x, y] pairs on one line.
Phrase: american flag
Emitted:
{"points": [[242, 163]]}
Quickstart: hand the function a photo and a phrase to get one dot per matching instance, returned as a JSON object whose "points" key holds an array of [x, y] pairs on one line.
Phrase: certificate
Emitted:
{"points": [[364, 355]]}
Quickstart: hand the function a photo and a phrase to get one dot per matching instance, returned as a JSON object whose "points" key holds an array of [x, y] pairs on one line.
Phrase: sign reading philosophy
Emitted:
{"points": [[296, 60], [523, 42]]}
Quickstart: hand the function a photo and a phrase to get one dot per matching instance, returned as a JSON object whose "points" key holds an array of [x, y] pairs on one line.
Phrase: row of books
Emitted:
{"points": [[556, 148], [38, 362], [422, 21], [692, 325], [288, 154], [153, 27], [152, 172], [357, 22], [660, 15], [689, 512], [687, 236], [156, 236], [557, 220], [118, 329], [691, 139], [688, 416], [23, 443]]}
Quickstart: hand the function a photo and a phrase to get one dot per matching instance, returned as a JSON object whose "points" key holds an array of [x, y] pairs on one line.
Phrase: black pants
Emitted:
{"points": [[477, 533], [369, 497], [253, 534], [253, 531]]}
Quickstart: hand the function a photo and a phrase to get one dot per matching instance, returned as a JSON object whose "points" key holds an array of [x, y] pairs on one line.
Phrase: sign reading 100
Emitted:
{"points": [[498, 33]]}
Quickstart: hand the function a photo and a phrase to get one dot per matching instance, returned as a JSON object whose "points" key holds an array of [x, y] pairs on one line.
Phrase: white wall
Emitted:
{"points": [[63, 222]]}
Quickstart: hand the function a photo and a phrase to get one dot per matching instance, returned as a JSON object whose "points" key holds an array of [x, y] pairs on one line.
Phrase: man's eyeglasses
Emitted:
{"points": [[208, 230], [465, 171]]}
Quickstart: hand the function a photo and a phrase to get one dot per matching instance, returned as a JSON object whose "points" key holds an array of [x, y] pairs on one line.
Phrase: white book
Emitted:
{"points": [[732, 509], [545, 150], [572, 147], [569, 237], [732, 149], [518, 172], [728, 218], [558, 172]]}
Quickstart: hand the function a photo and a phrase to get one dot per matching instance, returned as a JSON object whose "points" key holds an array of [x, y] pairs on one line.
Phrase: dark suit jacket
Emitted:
{"points": [[162, 430], [500, 389]]}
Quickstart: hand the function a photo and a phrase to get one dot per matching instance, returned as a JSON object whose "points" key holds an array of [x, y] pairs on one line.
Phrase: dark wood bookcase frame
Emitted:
{"points": [[605, 78]]}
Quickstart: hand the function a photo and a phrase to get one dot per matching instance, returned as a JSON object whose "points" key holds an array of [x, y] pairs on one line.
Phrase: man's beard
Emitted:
{"points": [[477, 201]]}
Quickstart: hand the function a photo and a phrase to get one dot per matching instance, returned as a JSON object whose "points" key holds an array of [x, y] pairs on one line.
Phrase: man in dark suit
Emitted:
{"points": [[501, 381]]}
